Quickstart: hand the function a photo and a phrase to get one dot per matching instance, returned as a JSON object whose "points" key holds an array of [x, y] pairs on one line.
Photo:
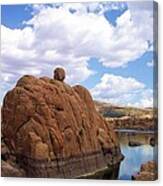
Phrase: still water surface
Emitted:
{"points": [[137, 155], [134, 156]]}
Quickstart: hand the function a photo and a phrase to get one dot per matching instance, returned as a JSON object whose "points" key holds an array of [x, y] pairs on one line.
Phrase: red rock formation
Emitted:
{"points": [[138, 123], [148, 172], [50, 125], [9, 170]]}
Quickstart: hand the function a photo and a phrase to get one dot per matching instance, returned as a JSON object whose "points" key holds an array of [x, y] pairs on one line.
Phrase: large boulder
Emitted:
{"points": [[54, 130]]}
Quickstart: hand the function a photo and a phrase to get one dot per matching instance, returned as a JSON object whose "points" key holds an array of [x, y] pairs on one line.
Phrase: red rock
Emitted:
{"points": [[148, 172], [131, 118], [8, 170], [129, 122], [4, 151], [150, 166], [47, 123]]}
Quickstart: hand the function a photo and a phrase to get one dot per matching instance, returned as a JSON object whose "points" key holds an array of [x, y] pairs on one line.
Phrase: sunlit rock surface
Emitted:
{"points": [[54, 130], [148, 172]]}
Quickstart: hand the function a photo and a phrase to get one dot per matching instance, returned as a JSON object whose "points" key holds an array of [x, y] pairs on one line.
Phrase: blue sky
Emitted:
{"points": [[94, 64]]}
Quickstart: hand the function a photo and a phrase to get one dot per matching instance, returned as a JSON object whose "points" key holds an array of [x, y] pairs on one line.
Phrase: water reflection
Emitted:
{"points": [[134, 156], [110, 173]]}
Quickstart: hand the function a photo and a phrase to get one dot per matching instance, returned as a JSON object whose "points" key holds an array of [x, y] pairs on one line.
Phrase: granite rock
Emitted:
{"points": [[11, 170], [59, 74], [46, 120], [148, 172]]}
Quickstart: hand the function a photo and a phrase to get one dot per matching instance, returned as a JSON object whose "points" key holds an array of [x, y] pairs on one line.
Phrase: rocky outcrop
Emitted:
{"points": [[128, 117], [54, 130], [5, 153], [148, 172], [9, 167], [11, 170], [137, 123]]}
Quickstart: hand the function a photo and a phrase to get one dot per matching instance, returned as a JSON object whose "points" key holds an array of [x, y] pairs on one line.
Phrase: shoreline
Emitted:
{"points": [[135, 131], [80, 166]]}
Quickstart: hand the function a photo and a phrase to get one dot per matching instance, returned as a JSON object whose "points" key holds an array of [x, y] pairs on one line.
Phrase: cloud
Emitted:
{"points": [[144, 23], [146, 99], [87, 7], [68, 35], [122, 91], [150, 63], [88, 34], [73, 36], [28, 54]]}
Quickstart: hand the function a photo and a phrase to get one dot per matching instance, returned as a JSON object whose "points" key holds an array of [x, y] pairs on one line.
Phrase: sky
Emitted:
{"points": [[106, 47]]}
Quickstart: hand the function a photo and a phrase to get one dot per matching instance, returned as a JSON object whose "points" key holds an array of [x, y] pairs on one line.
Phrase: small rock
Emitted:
{"points": [[134, 143], [148, 172], [152, 142]]}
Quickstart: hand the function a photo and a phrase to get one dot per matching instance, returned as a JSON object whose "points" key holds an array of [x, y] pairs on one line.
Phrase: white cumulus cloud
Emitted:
{"points": [[122, 91], [68, 35]]}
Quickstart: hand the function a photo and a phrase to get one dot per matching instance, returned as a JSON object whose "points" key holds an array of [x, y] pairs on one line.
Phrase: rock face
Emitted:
{"points": [[9, 167], [54, 130], [139, 123], [148, 172], [9, 170], [128, 117]]}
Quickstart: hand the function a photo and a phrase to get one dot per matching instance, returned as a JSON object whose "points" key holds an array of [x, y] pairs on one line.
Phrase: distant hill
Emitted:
{"points": [[109, 110], [119, 117]]}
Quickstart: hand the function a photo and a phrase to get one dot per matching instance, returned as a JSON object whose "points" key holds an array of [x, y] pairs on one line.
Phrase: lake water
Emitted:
{"points": [[136, 155]]}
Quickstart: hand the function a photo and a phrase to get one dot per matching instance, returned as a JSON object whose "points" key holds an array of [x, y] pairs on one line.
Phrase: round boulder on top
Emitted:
{"points": [[59, 74], [54, 130]]}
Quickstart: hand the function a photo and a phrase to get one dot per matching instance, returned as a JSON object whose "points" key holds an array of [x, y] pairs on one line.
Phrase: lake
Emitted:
{"points": [[134, 156], [139, 153]]}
